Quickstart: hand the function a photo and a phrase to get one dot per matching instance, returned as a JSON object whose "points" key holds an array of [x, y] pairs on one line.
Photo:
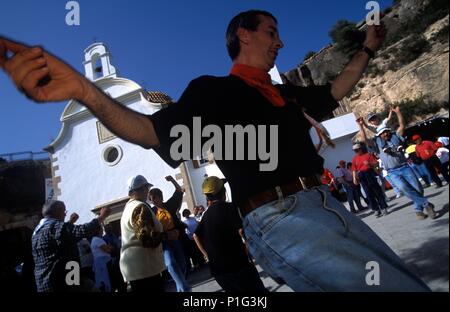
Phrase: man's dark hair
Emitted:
{"points": [[186, 213], [218, 196], [156, 192], [247, 20], [51, 208]]}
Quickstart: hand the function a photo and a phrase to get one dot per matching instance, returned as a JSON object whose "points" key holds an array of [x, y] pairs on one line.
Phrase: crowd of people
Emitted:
{"points": [[388, 159], [292, 226], [153, 240]]}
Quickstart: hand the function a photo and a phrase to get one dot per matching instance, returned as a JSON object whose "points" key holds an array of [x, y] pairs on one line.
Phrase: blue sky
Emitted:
{"points": [[161, 45]]}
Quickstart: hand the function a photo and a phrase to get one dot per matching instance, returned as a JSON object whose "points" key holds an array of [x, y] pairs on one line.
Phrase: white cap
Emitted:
{"points": [[382, 129], [136, 182]]}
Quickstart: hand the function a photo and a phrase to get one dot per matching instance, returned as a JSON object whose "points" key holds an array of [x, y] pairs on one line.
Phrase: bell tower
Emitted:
{"points": [[97, 62]]}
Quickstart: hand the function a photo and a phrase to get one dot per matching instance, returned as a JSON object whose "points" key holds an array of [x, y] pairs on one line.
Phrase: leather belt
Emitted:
{"points": [[302, 183]]}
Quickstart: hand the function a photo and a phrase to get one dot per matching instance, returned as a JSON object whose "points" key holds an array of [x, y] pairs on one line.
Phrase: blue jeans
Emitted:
{"points": [[421, 171], [176, 264], [397, 191], [312, 242], [408, 183], [353, 196]]}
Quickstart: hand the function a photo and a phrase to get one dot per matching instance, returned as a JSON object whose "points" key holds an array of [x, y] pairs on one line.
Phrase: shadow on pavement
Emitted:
{"points": [[365, 214], [429, 260], [440, 212], [408, 204], [434, 194], [443, 211]]}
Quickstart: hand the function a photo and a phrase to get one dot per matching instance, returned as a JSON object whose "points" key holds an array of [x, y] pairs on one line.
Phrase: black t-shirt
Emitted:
{"points": [[229, 100], [219, 233]]}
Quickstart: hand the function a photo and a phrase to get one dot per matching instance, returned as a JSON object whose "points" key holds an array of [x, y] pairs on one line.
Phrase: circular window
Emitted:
{"points": [[112, 155]]}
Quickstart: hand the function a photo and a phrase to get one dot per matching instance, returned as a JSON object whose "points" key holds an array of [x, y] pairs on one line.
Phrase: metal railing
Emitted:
{"points": [[19, 156]]}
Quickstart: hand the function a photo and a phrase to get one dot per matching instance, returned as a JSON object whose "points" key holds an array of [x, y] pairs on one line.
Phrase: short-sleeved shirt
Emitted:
{"points": [[191, 226], [391, 152], [97, 252], [223, 101], [426, 149], [168, 216], [219, 234], [165, 219], [363, 162], [344, 173], [327, 177]]}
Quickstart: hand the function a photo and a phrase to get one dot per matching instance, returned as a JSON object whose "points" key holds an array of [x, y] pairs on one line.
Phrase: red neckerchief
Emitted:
{"points": [[260, 80]]}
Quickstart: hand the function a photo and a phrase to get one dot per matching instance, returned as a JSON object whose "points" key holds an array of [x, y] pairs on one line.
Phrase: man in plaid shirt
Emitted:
{"points": [[54, 244]]}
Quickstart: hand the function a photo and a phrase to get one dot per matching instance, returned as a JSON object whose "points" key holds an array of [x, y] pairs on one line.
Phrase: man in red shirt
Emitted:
{"points": [[327, 178], [363, 165], [426, 150]]}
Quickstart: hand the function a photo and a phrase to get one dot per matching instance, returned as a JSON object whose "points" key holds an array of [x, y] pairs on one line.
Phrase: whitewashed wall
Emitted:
{"points": [[341, 130], [197, 175], [87, 181]]}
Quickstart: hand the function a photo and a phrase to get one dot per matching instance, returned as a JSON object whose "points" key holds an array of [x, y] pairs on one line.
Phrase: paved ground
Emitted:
{"points": [[423, 245]]}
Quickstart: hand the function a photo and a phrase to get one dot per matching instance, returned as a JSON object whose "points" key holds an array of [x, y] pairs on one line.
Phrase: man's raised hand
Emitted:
{"points": [[38, 74], [375, 36]]}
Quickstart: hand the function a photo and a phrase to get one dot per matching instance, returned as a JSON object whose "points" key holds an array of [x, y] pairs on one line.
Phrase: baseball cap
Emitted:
{"points": [[383, 129], [415, 137], [356, 146], [212, 185], [136, 182], [371, 115]]}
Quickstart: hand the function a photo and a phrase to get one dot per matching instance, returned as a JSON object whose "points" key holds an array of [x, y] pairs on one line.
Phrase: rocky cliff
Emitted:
{"points": [[412, 64]]}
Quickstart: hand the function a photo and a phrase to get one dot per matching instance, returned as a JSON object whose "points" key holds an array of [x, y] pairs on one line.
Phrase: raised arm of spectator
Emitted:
{"points": [[44, 78], [389, 117], [362, 132], [173, 204], [87, 229], [175, 184], [401, 121], [352, 73], [368, 127]]}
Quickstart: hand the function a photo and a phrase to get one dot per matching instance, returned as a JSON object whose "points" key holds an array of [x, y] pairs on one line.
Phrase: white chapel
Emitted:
{"points": [[90, 166]]}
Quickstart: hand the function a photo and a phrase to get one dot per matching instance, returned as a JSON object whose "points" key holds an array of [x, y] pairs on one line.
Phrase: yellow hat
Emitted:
{"points": [[411, 149], [212, 185]]}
